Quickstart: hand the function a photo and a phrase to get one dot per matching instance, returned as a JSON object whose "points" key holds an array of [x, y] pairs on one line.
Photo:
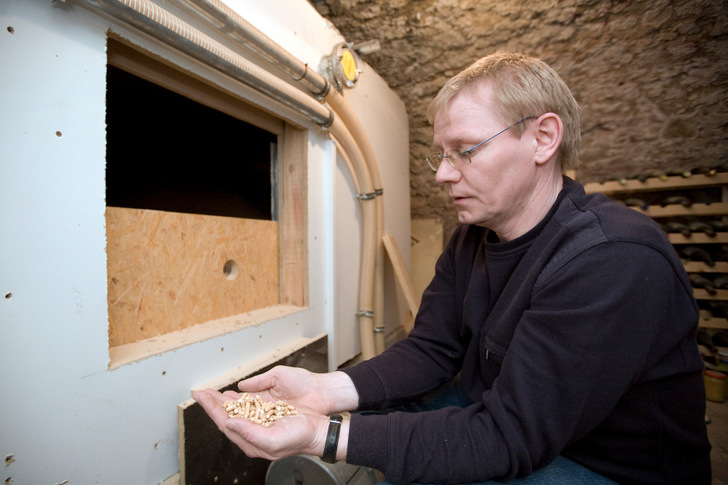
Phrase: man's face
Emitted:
{"points": [[494, 190]]}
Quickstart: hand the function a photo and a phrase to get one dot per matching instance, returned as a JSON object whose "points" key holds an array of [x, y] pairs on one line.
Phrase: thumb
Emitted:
{"points": [[232, 425]]}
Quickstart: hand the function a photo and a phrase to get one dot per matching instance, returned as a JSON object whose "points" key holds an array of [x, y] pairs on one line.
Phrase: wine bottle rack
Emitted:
{"points": [[704, 198]]}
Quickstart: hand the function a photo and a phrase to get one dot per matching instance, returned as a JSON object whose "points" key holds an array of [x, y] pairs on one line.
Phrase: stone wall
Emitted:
{"points": [[651, 77]]}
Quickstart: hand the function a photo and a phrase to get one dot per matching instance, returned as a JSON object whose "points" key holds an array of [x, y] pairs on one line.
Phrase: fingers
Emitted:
{"points": [[258, 383], [243, 434], [231, 395], [208, 397], [211, 401], [286, 436], [283, 438], [237, 430]]}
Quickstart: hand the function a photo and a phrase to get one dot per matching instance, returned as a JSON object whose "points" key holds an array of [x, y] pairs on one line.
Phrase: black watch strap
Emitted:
{"points": [[332, 438]]}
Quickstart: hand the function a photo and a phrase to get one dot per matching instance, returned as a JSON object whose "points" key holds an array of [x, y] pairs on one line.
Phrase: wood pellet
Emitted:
{"points": [[258, 411]]}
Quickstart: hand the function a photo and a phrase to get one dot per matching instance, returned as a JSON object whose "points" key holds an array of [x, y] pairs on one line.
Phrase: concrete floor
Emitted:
{"points": [[718, 434]]}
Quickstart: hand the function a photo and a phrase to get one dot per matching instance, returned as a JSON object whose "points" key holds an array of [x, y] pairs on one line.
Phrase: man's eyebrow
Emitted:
{"points": [[463, 139]]}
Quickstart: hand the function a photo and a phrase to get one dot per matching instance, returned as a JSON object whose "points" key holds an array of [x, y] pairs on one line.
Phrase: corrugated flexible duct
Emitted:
{"points": [[166, 27], [230, 22], [161, 24], [344, 111]]}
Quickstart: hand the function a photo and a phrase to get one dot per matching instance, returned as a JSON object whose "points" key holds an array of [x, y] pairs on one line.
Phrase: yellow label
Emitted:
{"points": [[348, 64]]}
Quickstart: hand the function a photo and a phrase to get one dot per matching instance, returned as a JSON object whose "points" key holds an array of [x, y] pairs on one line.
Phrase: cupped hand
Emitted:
{"points": [[293, 385], [291, 435]]}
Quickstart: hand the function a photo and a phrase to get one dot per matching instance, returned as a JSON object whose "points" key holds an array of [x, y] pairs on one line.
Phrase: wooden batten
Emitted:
{"points": [[168, 271], [293, 197]]}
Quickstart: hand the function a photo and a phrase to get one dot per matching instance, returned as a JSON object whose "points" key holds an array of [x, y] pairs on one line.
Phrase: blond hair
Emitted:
{"points": [[522, 86]]}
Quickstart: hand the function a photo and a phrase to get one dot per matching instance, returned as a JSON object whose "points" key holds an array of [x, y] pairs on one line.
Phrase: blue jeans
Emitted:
{"points": [[561, 471]]}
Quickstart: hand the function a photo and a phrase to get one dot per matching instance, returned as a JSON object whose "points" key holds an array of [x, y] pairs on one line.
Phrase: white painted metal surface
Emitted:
{"points": [[64, 415]]}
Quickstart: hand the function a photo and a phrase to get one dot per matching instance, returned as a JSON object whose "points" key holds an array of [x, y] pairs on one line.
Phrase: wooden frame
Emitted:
{"points": [[176, 279]]}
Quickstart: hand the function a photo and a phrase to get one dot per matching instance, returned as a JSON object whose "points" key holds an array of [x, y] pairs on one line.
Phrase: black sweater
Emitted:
{"points": [[578, 338]]}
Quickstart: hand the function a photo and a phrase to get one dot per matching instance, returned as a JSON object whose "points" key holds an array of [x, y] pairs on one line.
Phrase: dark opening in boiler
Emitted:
{"points": [[167, 152]]}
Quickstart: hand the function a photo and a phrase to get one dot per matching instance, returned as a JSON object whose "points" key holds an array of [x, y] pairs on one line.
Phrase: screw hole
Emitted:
{"points": [[230, 269]]}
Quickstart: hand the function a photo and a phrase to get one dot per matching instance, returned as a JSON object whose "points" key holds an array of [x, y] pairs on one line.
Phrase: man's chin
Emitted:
{"points": [[463, 218]]}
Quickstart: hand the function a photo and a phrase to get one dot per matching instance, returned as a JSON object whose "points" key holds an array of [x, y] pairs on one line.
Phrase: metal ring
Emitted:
{"points": [[305, 71], [368, 196]]}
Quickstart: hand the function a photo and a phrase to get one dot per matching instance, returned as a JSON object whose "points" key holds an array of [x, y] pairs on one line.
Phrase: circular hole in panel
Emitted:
{"points": [[230, 269]]}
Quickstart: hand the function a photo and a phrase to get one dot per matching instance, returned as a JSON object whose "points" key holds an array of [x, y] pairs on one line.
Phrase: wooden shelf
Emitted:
{"points": [[700, 267], [698, 238], [701, 294], [654, 184], [676, 210], [713, 323]]}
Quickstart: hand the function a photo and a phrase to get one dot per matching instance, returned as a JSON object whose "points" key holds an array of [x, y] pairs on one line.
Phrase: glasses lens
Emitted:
{"points": [[457, 159], [433, 160]]}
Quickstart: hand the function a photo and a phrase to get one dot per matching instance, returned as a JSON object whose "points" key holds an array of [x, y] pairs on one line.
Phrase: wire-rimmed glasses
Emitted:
{"points": [[463, 158]]}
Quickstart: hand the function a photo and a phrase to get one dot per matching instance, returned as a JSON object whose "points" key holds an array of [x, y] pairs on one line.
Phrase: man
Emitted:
{"points": [[568, 319]]}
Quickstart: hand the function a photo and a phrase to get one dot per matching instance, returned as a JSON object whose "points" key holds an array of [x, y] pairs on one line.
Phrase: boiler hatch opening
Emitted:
{"points": [[167, 152]]}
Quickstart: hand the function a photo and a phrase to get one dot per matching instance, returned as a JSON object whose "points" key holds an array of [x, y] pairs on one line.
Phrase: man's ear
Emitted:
{"points": [[550, 130]]}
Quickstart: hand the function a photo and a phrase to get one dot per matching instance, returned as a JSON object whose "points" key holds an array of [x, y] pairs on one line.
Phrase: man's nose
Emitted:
{"points": [[446, 173]]}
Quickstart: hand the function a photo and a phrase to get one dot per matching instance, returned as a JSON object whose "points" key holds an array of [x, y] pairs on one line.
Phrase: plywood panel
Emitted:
{"points": [[168, 271], [427, 245]]}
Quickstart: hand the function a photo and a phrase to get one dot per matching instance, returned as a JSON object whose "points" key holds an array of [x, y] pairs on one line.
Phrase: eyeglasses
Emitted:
{"points": [[461, 158]]}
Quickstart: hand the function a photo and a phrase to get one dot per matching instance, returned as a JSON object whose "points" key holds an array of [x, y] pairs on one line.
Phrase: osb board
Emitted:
{"points": [[166, 270], [206, 456], [427, 245]]}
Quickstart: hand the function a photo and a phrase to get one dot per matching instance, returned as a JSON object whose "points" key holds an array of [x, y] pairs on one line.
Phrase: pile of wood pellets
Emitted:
{"points": [[256, 410]]}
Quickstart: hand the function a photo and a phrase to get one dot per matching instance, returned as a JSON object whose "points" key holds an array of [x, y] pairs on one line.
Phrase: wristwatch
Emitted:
{"points": [[332, 438]]}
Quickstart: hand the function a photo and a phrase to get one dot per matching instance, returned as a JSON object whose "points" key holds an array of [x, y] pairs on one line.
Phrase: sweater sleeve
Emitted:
{"points": [[432, 353], [591, 335]]}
